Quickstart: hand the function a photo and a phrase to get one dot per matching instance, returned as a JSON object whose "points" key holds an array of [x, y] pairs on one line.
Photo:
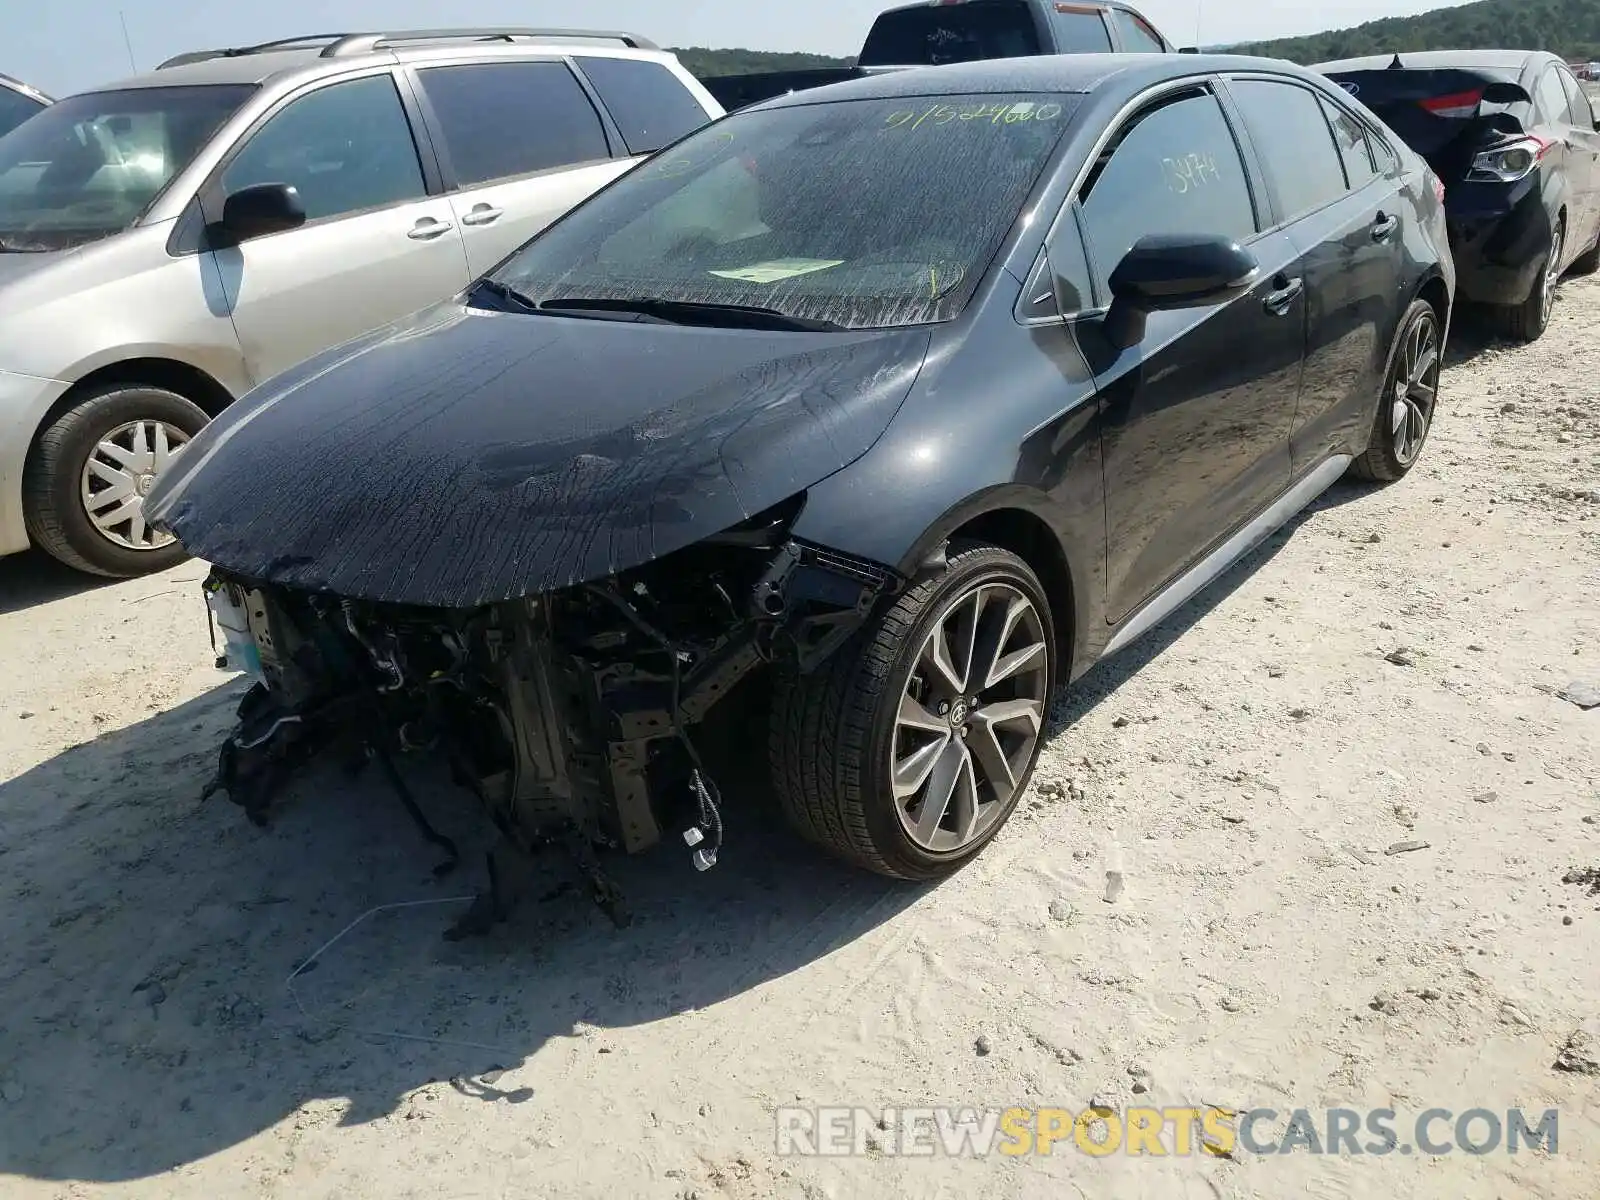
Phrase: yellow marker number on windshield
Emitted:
{"points": [[995, 114]]}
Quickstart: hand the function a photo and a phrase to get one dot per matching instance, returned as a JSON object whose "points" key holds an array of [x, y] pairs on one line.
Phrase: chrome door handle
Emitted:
{"points": [[428, 229], [1279, 302], [1384, 226], [483, 214]]}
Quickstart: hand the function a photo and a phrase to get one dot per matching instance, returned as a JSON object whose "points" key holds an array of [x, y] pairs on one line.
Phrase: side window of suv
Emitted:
{"points": [[648, 102], [1080, 29], [346, 148], [1294, 143], [1174, 168], [1136, 35], [505, 119]]}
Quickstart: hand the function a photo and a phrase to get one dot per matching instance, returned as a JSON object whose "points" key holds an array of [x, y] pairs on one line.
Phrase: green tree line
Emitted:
{"points": [[704, 63], [1570, 28]]}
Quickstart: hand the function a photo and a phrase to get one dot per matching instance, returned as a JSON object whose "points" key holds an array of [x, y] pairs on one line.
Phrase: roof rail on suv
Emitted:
{"points": [[339, 45]]}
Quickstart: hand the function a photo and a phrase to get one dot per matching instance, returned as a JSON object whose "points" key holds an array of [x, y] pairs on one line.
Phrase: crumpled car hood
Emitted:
{"points": [[467, 457]]}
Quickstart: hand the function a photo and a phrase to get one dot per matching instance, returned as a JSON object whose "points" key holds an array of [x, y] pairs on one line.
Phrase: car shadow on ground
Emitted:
{"points": [[32, 578], [146, 1017]]}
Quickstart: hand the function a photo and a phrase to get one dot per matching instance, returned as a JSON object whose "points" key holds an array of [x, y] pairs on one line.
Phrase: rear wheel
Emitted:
{"points": [[1526, 322], [1410, 394], [85, 484], [908, 751]]}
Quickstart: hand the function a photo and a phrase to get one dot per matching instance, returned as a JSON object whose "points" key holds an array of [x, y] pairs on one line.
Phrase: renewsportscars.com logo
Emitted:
{"points": [[1158, 1132]]}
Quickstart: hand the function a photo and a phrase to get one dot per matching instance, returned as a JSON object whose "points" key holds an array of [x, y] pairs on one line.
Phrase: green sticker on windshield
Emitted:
{"points": [[779, 269]]}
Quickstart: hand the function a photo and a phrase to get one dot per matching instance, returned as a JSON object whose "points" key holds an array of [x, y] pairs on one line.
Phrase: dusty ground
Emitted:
{"points": [[1247, 768]]}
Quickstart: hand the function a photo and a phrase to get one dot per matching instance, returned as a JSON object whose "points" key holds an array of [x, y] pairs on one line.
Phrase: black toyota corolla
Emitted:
{"points": [[915, 397]]}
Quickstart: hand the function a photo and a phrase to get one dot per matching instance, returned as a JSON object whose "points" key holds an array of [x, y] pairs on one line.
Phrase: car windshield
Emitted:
{"points": [[861, 214], [88, 166]]}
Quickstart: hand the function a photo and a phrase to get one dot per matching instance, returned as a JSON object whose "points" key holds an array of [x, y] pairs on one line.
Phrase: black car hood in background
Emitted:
{"points": [[468, 457]]}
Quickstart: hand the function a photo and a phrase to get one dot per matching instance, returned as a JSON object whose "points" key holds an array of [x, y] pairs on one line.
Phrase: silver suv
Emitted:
{"points": [[169, 242]]}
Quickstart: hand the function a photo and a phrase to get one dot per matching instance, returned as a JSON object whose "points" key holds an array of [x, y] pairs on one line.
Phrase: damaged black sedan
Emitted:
{"points": [[911, 398]]}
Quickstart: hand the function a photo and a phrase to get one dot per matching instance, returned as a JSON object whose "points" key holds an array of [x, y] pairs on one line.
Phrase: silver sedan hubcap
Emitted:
{"points": [[970, 717], [1416, 386], [121, 470]]}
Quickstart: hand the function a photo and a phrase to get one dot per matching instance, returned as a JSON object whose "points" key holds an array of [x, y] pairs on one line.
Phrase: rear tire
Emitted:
{"points": [[59, 485], [1409, 399], [841, 739], [1526, 322]]}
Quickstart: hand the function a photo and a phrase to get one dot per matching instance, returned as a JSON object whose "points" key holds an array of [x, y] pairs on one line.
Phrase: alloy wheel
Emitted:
{"points": [[1416, 389], [1552, 272], [119, 473], [970, 717]]}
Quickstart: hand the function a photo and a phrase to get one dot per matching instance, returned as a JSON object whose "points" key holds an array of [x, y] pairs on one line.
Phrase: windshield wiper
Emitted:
{"points": [[506, 293], [693, 312]]}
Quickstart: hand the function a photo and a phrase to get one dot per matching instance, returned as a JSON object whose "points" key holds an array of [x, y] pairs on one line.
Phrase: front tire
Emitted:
{"points": [[908, 751], [1410, 396], [85, 483]]}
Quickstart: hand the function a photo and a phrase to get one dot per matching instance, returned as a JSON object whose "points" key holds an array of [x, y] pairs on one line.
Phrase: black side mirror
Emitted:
{"points": [[1501, 92], [253, 212], [1169, 271], [1188, 49]]}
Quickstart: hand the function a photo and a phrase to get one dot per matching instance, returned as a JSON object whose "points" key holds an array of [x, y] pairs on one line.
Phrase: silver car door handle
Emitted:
{"points": [[427, 229], [1278, 302], [483, 214], [1383, 227]]}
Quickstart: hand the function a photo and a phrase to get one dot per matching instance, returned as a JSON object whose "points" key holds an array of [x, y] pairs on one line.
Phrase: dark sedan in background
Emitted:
{"points": [[912, 397], [1512, 135]]}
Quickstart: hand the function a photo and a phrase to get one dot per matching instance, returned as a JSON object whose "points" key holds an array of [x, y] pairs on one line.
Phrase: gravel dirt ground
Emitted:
{"points": [[1387, 671]]}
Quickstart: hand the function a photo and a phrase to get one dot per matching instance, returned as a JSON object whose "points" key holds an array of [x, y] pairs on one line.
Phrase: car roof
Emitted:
{"points": [[1062, 73], [253, 66], [1494, 60], [25, 89], [1122, 4]]}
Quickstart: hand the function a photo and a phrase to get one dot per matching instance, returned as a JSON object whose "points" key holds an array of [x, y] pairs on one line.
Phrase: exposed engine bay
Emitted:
{"points": [[570, 715]]}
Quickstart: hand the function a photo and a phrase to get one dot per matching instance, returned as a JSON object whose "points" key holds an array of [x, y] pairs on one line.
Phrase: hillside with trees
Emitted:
{"points": [[1570, 28], [705, 63]]}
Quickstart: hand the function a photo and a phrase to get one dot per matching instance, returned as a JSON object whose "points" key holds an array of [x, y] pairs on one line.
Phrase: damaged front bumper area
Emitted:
{"points": [[570, 715]]}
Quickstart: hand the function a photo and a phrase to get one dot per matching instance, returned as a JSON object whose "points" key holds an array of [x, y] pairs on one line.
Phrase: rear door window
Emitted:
{"points": [[1293, 142], [937, 34], [1355, 145], [648, 102], [1135, 34], [504, 119], [1173, 169]]}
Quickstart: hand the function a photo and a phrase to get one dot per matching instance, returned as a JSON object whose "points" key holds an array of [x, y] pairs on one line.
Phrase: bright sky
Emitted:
{"points": [[64, 46]]}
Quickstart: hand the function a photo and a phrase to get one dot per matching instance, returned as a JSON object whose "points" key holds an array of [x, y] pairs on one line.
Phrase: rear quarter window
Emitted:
{"points": [[648, 102]]}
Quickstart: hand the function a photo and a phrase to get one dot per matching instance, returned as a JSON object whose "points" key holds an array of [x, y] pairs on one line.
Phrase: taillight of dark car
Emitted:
{"points": [[1456, 104]]}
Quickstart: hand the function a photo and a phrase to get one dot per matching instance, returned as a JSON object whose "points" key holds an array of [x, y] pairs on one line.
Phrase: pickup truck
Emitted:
{"points": [[949, 31]]}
